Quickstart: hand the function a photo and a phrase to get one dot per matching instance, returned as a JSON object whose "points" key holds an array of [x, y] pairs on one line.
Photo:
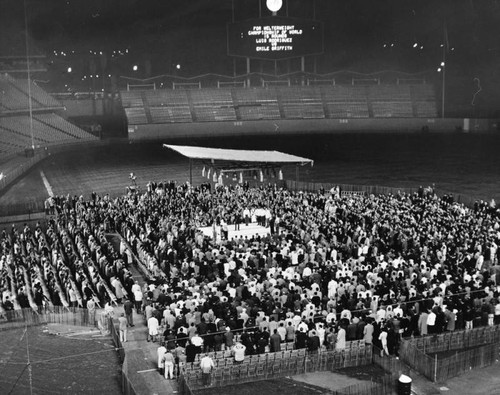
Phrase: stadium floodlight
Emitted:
{"points": [[274, 5], [442, 64], [178, 66], [70, 69], [439, 69], [415, 45], [135, 67]]}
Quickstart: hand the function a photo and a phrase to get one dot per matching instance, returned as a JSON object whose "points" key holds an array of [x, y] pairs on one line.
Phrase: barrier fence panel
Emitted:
{"points": [[467, 360], [416, 359], [54, 315], [392, 365], [475, 348], [457, 340]]}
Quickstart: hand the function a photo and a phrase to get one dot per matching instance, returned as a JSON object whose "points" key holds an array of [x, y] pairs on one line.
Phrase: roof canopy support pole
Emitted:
{"points": [[190, 172], [297, 173]]}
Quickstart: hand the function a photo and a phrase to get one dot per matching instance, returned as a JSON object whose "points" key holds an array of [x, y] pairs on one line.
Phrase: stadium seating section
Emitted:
{"points": [[48, 129], [15, 93], [295, 102], [18, 131]]}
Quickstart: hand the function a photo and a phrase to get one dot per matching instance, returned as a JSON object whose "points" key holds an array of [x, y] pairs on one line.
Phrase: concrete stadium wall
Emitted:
{"points": [[324, 126]]}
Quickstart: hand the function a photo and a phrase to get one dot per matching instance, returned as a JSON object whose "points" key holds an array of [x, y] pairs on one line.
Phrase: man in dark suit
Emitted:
{"points": [[275, 341]]}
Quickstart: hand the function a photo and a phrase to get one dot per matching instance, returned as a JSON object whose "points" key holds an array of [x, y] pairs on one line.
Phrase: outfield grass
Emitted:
{"points": [[60, 365], [266, 387]]}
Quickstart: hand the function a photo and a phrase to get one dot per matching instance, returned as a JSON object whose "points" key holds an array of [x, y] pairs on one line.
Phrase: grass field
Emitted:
{"points": [[458, 163], [267, 387], [59, 365]]}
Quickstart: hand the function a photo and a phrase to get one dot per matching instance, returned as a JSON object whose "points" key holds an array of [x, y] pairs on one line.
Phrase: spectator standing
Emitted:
{"points": [[383, 340], [206, 366], [137, 298], [152, 328], [290, 332], [191, 351], [275, 342], [122, 321], [341, 339], [161, 353], [368, 333], [169, 360], [228, 338], [128, 307]]}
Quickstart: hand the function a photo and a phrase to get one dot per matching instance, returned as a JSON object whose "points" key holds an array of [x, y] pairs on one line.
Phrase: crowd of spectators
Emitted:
{"points": [[333, 267]]}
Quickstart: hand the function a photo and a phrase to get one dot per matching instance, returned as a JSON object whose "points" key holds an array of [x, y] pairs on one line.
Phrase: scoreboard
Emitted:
{"points": [[275, 38]]}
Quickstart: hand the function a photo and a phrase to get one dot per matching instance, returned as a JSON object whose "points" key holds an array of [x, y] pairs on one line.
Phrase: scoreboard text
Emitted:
{"points": [[275, 38]]}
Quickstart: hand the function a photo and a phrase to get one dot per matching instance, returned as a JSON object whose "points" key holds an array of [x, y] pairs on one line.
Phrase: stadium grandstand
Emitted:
{"points": [[272, 103], [30, 123]]}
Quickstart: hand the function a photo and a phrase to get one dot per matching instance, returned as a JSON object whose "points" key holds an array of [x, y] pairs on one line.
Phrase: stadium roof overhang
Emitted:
{"points": [[233, 158]]}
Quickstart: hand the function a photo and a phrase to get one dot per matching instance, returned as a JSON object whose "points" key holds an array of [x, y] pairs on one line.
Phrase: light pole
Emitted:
{"points": [[443, 88], [443, 67]]}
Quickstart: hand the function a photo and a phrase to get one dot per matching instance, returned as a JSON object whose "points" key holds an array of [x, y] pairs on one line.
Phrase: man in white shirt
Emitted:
{"points": [[197, 341], [206, 366], [152, 328], [161, 352], [431, 322]]}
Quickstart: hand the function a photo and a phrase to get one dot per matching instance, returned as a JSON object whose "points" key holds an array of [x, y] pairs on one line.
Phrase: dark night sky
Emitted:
{"points": [[193, 33]]}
